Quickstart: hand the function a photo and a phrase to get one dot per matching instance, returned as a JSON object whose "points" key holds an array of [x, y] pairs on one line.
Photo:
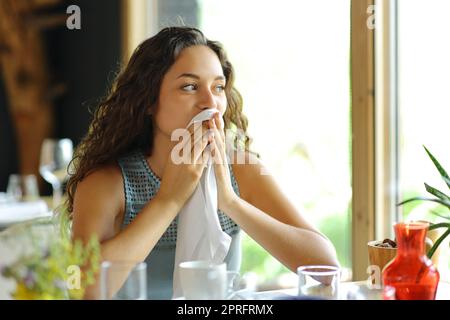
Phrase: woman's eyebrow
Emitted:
{"points": [[191, 75]]}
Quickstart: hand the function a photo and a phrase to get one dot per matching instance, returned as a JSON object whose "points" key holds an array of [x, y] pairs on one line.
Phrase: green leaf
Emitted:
{"points": [[411, 200], [437, 243], [446, 180], [440, 215], [445, 203], [436, 192], [438, 166], [438, 225]]}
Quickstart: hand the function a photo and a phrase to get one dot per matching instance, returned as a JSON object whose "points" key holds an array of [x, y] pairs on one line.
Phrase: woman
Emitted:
{"points": [[127, 189]]}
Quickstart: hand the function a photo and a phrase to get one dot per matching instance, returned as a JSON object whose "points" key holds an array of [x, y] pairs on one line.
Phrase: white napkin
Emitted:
{"points": [[14, 212], [199, 234]]}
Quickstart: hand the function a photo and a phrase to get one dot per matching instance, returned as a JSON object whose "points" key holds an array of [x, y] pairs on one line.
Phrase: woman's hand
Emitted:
{"points": [[225, 192], [180, 179]]}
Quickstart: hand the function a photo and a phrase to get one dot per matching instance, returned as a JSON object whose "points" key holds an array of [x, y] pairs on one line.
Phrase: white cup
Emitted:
{"points": [[204, 280]]}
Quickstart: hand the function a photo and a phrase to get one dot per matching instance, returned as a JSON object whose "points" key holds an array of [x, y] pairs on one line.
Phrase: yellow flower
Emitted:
{"points": [[76, 294], [23, 293], [43, 274]]}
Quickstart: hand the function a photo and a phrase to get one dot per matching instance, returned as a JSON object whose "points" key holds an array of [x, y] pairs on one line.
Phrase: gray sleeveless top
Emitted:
{"points": [[140, 185]]}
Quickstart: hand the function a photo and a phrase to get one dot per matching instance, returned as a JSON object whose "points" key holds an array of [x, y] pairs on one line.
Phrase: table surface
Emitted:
{"points": [[443, 292]]}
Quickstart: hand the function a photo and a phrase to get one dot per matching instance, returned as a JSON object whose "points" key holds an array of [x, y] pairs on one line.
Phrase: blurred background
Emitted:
{"points": [[292, 60], [51, 75]]}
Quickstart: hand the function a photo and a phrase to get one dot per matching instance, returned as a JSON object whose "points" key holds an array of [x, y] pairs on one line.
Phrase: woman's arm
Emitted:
{"points": [[99, 207], [268, 216], [264, 212], [98, 210]]}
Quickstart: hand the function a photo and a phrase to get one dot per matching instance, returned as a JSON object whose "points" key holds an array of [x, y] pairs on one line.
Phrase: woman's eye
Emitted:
{"points": [[189, 87], [220, 88]]}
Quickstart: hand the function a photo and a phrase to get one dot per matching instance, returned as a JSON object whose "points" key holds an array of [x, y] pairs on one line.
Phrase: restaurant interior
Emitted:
{"points": [[347, 106]]}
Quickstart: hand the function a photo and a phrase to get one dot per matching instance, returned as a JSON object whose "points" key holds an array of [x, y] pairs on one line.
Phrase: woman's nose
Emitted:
{"points": [[207, 100]]}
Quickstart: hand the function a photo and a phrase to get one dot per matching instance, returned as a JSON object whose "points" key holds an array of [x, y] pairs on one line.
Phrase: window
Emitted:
{"points": [[424, 70], [411, 60], [424, 109], [292, 63], [292, 68]]}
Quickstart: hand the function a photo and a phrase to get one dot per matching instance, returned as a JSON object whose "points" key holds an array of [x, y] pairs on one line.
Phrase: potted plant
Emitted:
{"points": [[437, 197]]}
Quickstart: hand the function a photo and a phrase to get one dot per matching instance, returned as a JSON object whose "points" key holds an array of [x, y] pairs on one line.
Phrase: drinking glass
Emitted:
{"points": [[319, 281], [120, 280], [55, 158], [22, 187]]}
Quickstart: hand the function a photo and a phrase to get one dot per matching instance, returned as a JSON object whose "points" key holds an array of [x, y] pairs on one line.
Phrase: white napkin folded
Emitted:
{"points": [[14, 212], [199, 234]]}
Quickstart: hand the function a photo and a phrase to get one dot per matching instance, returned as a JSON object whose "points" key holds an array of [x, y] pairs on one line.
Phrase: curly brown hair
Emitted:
{"points": [[121, 122]]}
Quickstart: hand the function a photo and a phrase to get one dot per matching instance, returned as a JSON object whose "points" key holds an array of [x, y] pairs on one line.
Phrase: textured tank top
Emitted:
{"points": [[140, 185]]}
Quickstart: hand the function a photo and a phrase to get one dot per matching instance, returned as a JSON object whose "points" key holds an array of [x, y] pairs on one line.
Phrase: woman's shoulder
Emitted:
{"points": [[105, 182], [245, 161], [106, 174], [100, 195], [99, 203]]}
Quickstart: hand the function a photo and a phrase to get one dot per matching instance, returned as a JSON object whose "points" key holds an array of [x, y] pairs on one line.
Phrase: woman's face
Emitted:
{"points": [[195, 82]]}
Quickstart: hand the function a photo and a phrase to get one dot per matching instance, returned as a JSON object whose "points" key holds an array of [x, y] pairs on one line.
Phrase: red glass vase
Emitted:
{"points": [[411, 272]]}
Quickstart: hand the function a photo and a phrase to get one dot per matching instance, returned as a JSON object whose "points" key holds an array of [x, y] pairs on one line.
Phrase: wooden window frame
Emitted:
{"points": [[363, 136], [136, 25], [375, 125]]}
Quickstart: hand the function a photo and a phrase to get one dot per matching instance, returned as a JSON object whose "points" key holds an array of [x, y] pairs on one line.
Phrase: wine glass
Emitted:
{"points": [[22, 187], [55, 158]]}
